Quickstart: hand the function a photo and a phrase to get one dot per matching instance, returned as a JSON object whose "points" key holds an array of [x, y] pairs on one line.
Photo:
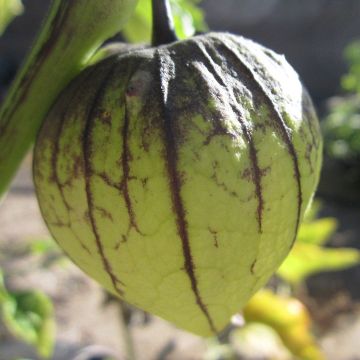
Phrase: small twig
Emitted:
{"points": [[127, 337], [166, 350]]}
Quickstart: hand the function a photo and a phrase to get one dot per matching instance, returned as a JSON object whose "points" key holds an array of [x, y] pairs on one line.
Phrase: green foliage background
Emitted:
{"points": [[8, 10], [341, 127], [188, 19]]}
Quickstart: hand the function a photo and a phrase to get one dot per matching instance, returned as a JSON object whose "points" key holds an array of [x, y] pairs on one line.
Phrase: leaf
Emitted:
{"points": [[138, 28], [341, 128], [3, 292], [289, 318], [188, 18], [307, 259], [8, 10], [48, 251], [317, 231], [351, 81], [29, 317], [43, 246]]}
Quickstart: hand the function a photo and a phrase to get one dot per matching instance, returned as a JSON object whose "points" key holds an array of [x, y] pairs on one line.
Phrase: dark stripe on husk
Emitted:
{"points": [[307, 108], [310, 116], [258, 89], [60, 186], [94, 103], [171, 158], [256, 172], [56, 152], [126, 170]]}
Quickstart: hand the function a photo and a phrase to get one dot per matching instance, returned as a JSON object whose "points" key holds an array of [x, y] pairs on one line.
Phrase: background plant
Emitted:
{"points": [[29, 316], [9, 9], [341, 127]]}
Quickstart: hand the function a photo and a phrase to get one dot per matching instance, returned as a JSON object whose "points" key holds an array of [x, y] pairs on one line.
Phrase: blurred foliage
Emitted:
{"points": [[351, 81], [290, 320], [188, 19], [317, 231], [29, 316], [309, 256], [309, 259], [43, 247], [286, 317], [8, 10], [48, 252], [341, 127]]}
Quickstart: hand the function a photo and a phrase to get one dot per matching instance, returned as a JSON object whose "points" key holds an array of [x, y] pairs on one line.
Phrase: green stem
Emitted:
{"points": [[72, 32]]}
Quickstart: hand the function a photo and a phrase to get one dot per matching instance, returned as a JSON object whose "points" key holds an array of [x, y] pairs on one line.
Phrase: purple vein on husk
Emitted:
{"points": [[171, 158]]}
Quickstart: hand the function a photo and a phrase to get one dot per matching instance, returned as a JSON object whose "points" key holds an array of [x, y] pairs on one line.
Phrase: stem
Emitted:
{"points": [[127, 338], [72, 32], [163, 25]]}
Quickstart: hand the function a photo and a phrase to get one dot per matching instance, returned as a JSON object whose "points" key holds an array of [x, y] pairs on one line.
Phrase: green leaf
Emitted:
{"points": [[49, 252], [43, 246], [341, 128], [188, 18], [307, 259], [351, 81], [8, 10], [318, 231], [138, 28], [29, 317], [3, 292]]}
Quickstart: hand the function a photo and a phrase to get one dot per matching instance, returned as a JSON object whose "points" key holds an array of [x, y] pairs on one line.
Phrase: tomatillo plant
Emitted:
{"points": [[176, 175]]}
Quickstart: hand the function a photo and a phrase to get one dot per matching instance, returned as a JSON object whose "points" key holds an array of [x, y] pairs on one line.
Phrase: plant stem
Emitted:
{"points": [[127, 337], [163, 25], [71, 33]]}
